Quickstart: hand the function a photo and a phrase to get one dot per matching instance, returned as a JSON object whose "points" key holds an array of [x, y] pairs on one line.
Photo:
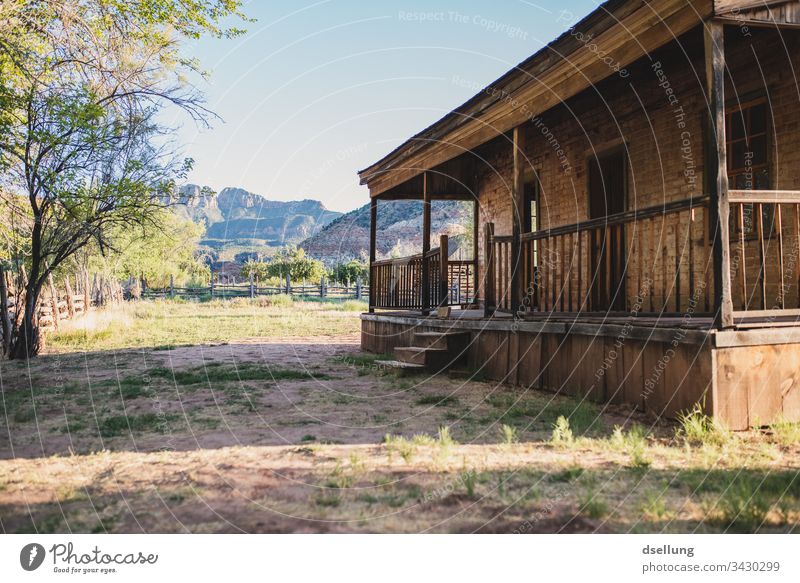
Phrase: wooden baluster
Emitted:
{"points": [[691, 258], [797, 235], [639, 264], [678, 253], [779, 226], [763, 278], [654, 256], [743, 251], [579, 297]]}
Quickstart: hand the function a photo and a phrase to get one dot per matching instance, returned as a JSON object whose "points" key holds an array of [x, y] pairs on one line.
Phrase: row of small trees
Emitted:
{"points": [[294, 263]]}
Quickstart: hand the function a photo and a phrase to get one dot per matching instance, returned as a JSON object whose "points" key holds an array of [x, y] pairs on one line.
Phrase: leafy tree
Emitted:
{"points": [[167, 248], [349, 272], [293, 261], [81, 87]]}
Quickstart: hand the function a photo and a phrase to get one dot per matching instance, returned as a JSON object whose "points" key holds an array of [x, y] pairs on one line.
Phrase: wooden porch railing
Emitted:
{"points": [[765, 250], [652, 260], [397, 283], [656, 261]]}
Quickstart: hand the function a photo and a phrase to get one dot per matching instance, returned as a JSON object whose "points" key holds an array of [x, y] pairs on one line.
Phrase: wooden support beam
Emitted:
{"points": [[373, 231], [444, 283], [517, 209], [716, 168], [489, 304], [426, 243], [476, 221]]}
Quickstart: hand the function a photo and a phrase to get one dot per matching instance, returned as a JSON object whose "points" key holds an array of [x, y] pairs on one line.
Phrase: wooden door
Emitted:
{"points": [[607, 189]]}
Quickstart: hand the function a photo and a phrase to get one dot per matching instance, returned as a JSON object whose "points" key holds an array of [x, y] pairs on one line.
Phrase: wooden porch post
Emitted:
{"points": [[716, 166], [475, 233], [426, 244], [444, 283], [517, 206], [488, 280], [373, 230]]}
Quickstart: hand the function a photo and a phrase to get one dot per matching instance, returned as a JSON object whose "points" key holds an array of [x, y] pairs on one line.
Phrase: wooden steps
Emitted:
{"points": [[432, 352]]}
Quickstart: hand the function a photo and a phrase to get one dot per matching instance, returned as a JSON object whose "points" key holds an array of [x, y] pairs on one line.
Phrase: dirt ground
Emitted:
{"points": [[306, 434]]}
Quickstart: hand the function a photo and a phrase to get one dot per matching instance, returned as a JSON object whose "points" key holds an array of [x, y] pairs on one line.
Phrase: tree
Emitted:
{"points": [[81, 147], [167, 249], [293, 261], [349, 272]]}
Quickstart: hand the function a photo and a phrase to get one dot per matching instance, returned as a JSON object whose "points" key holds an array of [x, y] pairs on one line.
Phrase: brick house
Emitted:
{"points": [[636, 186]]}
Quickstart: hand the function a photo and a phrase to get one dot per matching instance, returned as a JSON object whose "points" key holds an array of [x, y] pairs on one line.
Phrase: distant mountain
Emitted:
{"points": [[399, 231], [236, 216]]}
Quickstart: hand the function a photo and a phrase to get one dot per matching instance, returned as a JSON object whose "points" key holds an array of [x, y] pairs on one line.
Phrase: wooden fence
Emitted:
{"points": [[252, 289]]}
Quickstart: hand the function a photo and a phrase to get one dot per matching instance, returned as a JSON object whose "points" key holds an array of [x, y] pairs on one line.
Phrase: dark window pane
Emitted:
{"points": [[758, 148], [738, 156], [758, 119], [737, 125], [761, 180]]}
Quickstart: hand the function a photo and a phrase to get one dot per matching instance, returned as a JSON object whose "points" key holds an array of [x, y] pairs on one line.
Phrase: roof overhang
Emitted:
{"points": [[624, 29]]}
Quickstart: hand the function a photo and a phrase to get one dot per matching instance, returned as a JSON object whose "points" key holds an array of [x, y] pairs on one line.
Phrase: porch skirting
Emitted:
{"points": [[742, 377]]}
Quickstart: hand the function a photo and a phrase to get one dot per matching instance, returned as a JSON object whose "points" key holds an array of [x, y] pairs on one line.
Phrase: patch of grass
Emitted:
{"points": [[786, 433], [327, 500], [654, 505], [400, 445], [508, 434], [308, 437], [437, 400], [633, 442], [146, 422], [160, 323], [218, 372], [445, 440], [24, 414], [468, 477], [592, 504], [562, 433], [697, 428], [584, 417], [742, 507], [566, 475]]}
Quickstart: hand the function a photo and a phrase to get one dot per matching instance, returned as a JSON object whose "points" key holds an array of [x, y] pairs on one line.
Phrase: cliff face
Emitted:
{"points": [[399, 231], [236, 215]]}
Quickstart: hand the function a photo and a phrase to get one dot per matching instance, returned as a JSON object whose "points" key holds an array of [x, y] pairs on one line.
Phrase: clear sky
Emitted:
{"points": [[317, 90]]}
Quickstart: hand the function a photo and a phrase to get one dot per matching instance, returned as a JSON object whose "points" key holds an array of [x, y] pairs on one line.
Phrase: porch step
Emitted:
{"points": [[431, 358], [399, 366], [455, 342]]}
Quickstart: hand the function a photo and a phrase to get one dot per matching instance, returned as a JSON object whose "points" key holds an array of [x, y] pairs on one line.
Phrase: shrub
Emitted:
{"points": [[562, 434]]}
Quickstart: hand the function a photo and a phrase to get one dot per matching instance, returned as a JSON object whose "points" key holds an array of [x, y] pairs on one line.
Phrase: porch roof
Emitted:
{"points": [[624, 30]]}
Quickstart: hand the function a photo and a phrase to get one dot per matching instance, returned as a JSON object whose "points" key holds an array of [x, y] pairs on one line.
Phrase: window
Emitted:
{"points": [[746, 134]]}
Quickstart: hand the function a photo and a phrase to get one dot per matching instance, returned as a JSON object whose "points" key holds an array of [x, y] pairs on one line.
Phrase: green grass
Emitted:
{"points": [[218, 372], [166, 323], [146, 422], [584, 418], [437, 400]]}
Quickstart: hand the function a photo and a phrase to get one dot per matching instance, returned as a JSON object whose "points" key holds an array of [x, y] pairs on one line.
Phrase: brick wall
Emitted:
{"points": [[665, 148]]}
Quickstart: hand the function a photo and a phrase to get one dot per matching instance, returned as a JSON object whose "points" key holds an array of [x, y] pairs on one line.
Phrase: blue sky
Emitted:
{"points": [[318, 90]]}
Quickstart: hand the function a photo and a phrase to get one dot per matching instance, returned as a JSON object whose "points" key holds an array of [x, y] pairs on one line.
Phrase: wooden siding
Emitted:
{"points": [[742, 385]]}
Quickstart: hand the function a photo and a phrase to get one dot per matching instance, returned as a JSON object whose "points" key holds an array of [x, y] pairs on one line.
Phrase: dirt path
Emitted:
{"points": [[289, 435]]}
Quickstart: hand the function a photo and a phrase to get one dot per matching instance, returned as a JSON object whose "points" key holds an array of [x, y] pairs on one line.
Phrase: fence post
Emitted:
{"points": [[5, 318], [288, 285], [70, 304], [53, 299], [171, 287], [211, 283], [358, 288], [87, 297], [488, 279], [322, 286], [252, 288]]}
